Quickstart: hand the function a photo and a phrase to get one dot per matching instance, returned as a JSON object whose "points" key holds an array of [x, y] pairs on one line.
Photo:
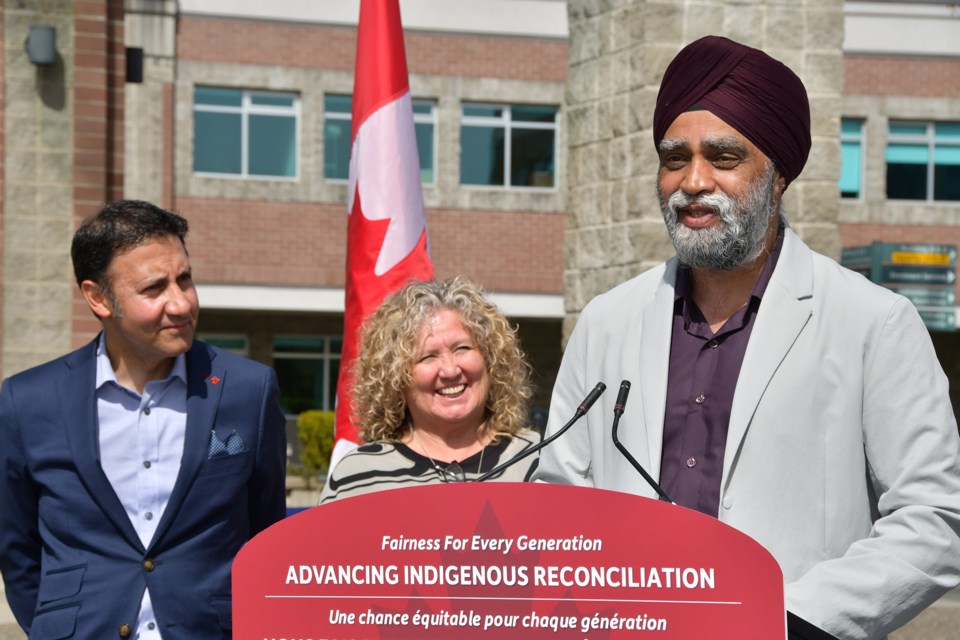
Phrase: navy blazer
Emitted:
{"points": [[72, 562]]}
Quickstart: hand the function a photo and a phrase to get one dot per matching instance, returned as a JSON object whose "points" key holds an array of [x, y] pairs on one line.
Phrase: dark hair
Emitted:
{"points": [[119, 226]]}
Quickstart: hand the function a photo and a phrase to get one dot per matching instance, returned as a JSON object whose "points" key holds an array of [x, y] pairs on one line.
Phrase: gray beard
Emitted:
{"points": [[740, 238]]}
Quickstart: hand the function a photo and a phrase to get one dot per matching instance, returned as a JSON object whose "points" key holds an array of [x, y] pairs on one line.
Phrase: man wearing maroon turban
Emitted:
{"points": [[773, 389]]}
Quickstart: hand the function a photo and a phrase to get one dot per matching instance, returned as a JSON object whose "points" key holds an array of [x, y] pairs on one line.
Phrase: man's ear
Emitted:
{"points": [[97, 299]]}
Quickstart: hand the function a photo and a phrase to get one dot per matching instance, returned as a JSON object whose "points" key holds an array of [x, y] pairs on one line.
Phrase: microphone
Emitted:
{"points": [[582, 409], [617, 412]]}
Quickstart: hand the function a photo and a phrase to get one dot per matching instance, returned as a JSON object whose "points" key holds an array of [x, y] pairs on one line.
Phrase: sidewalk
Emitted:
{"points": [[939, 622], [9, 629]]}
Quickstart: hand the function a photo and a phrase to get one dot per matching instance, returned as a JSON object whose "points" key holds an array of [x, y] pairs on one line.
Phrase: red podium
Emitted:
{"points": [[524, 561]]}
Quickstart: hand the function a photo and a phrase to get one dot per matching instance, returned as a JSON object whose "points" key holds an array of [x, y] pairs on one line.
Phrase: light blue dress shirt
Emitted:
{"points": [[141, 443]]}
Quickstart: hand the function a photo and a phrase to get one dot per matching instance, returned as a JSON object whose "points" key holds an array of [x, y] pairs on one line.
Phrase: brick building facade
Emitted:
{"points": [[268, 252]]}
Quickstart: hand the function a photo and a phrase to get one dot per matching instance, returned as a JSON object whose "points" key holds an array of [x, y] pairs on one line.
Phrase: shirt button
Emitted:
{"points": [[148, 515], [151, 626], [146, 411], [146, 464], [148, 565], [713, 344], [691, 462], [700, 399], [727, 502]]}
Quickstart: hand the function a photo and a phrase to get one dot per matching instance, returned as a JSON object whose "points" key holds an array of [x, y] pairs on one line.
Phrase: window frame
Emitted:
{"points": [[217, 339], [930, 141], [860, 139], [506, 122], [245, 110], [336, 115], [330, 362], [431, 119], [418, 118]]}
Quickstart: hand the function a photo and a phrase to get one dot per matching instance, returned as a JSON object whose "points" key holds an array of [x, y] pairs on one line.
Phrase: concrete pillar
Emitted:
{"points": [[148, 152], [37, 187]]}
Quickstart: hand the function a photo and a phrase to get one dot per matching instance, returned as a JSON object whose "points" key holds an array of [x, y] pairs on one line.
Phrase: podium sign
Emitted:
{"points": [[505, 560]]}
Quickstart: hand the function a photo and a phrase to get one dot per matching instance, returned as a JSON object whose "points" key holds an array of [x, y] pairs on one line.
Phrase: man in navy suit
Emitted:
{"points": [[133, 469]]}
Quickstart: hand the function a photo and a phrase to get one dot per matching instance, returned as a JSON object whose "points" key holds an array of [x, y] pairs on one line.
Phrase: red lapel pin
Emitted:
{"points": [[214, 379]]}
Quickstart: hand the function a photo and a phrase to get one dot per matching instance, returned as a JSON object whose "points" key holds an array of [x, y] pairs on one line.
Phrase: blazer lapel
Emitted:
{"points": [[203, 397], [784, 312], [76, 392], [655, 343]]}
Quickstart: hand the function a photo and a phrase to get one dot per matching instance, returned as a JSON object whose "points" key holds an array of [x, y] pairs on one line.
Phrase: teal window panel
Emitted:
{"points": [[263, 99], [947, 131], [907, 129], [531, 113], [850, 168], [531, 157], [337, 104], [424, 133], [273, 146], [336, 149], [851, 127], [482, 111], [949, 156], [898, 153], [216, 96], [482, 156], [217, 142]]}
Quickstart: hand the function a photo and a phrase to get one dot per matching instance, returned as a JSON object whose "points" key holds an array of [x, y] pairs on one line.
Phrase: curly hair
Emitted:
{"points": [[389, 341]]}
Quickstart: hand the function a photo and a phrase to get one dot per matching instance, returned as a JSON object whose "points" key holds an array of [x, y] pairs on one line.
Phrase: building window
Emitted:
{"points": [[307, 368], [508, 146], [232, 342], [337, 131], [923, 161], [336, 137], [851, 157], [425, 124], [245, 133]]}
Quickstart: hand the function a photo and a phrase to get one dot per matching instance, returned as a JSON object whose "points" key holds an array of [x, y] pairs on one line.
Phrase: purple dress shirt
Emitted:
{"points": [[704, 367]]}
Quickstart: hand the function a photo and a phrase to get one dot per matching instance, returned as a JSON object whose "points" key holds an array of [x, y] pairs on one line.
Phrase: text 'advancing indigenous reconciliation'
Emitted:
{"points": [[507, 576], [517, 574]]}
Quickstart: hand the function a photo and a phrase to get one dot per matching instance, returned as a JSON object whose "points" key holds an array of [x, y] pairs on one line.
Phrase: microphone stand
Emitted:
{"points": [[617, 412], [579, 413]]}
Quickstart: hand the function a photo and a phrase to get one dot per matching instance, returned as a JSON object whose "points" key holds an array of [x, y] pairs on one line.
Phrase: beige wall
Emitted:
{"points": [[37, 188]]}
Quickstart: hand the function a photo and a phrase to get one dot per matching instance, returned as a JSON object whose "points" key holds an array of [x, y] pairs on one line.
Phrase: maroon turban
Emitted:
{"points": [[756, 95]]}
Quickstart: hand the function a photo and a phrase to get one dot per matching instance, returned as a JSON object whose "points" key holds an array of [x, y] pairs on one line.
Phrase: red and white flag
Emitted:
{"points": [[387, 242]]}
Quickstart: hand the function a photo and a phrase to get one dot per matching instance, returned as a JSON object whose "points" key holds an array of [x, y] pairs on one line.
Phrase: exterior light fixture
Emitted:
{"points": [[41, 45]]}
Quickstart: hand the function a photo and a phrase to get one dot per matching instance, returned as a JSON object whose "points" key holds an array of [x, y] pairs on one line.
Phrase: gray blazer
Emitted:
{"points": [[842, 456]]}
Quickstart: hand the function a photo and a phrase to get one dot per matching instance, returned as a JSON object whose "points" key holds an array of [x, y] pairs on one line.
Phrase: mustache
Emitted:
{"points": [[721, 203]]}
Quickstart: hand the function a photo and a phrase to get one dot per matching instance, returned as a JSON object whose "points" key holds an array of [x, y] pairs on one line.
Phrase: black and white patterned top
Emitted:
{"points": [[392, 465]]}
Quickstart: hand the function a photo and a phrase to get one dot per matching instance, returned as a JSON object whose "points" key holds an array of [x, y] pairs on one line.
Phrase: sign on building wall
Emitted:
{"points": [[926, 274]]}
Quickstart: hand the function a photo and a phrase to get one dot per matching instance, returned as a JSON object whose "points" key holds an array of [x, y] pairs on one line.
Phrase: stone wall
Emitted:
{"points": [[37, 187], [618, 50], [62, 159]]}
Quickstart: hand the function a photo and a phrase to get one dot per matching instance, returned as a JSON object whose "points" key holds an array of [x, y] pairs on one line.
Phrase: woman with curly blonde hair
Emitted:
{"points": [[441, 391]]}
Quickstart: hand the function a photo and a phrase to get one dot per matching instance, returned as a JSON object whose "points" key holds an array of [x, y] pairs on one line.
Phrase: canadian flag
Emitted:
{"points": [[387, 243]]}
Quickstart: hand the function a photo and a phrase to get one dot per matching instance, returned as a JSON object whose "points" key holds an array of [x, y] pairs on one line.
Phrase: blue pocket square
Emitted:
{"points": [[220, 449]]}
